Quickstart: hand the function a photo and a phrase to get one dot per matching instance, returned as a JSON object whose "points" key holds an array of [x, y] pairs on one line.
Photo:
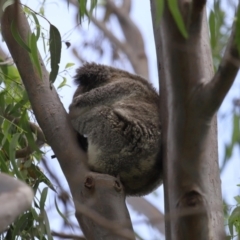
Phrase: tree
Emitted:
{"points": [[189, 144]]}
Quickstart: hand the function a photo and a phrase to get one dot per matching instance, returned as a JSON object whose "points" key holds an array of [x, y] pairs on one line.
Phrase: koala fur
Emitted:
{"points": [[118, 114]]}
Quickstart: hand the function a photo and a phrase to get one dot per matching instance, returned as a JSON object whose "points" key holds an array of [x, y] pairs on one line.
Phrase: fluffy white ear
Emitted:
{"points": [[15, 198]]}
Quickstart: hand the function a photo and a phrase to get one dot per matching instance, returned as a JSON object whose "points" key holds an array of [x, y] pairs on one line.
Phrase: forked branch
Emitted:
{"points": [[223, 79]]}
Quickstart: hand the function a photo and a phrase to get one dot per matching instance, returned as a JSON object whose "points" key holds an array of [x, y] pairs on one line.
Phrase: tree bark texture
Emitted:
{"points": [[192, 186]]}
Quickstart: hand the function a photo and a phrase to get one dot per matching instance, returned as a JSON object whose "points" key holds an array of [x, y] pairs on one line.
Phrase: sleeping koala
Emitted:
{"points": [[117, 117]]}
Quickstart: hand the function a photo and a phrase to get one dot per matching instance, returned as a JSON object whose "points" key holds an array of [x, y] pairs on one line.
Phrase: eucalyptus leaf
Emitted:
{"points": [[55, 52]]}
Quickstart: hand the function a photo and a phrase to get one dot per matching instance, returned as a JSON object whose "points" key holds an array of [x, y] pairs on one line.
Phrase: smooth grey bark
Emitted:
{"points": [[192, 186]]}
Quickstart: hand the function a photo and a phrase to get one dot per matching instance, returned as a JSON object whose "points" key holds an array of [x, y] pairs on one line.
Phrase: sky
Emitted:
{"points": [[57, 14]]}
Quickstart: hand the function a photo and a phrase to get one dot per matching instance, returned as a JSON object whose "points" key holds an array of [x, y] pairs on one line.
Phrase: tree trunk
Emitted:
{"points": [[192, 187]]}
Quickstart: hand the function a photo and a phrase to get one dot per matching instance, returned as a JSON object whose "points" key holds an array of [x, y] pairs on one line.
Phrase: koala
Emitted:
{"points": [[117, 117]]}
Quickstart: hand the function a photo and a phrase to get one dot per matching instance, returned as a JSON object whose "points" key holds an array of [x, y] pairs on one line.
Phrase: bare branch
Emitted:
{"points": [[223, 79], [67, 236], [154, 215], [133, 37], [126, 6], [124, 47], [133, 47]]}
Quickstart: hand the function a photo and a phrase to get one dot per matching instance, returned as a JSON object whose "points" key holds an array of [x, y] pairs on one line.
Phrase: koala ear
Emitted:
{"points": [[92, 75]]}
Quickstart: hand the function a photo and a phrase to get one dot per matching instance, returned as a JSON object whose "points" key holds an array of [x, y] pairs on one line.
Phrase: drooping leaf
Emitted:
{"points": [[24, 123], [212, 27], [237, 39], [173, 7], [6, 125], [12, 150], [24, 222], [59, 212], [4, 167], [18, 38], [34, 54], [37, 25], [47, 225], [234, 220], [63, 83], [160, 8], [55, 51], [82, 9], [93, 5], [43, 197], [234, 140]]}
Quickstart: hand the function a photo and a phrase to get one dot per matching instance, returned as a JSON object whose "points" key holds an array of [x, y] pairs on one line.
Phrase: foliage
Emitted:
{"points": [[234, 220]]}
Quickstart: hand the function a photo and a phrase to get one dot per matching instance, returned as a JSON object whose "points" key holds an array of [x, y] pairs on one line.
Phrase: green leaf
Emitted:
{"points": [[237, 38], [212, 27], [34, 54], [82, 9], [3, 166], [93, 5], [235, 139], [59, 212], [6, 125], [25, 222], [234, 220], [43, 197], [18, 38], [24, 123], [34, 214], [160, 8], [12, 150], [236, 130], [237, 198], [55, 51], [68, 65], [173, 6], [37, 25], [63, 83], [47, 225], [20, 104]]}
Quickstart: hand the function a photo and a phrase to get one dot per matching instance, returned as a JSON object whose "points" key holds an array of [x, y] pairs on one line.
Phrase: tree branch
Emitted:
{"points": [[61, 136], [134, 51], [124, 47], [133, 37], [67, 236], [189, 142], [154, 215], [223, 79]]}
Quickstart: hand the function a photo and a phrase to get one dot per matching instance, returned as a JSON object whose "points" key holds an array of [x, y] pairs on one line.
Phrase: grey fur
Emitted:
{"points": [[118, 112]]}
